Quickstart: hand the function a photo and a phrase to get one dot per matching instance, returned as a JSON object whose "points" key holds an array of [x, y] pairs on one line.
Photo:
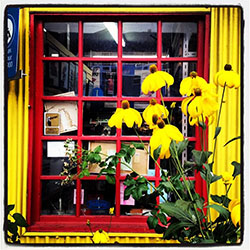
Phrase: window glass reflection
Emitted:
{"points": [[99, 79], [96, 116], [179, 70], [100, 39], [60, 39], [58, 199], [140, 39], [133, 75], [179, 39], [60, 78]]}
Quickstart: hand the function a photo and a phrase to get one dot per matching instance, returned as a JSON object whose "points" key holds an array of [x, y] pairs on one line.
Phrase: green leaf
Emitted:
{"points": [[235, 138], [201, 157], [142, 188], [129, 181], [111, 170], [10, 207], [221, 199], [181, 146], [128, 191], [216, 198], [236, 168], [215, 178], [207, 241], [156, 153], [97, 158], [138, 145], [163, 218], [217, 131], [203, 125], [131, 151], [223, 211], [104, 170], [84, 164], [98, 149], [12, 227], [110, 179], [152, 222], [174, 211], [121, 153], [141, 179], [20, 221]]}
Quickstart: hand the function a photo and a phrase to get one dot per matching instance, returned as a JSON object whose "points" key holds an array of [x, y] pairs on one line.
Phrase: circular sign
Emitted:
{"points": [[10, 30]]}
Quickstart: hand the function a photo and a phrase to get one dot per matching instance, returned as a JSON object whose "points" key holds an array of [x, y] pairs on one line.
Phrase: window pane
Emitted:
{"points": [[179, 70], [133, 75], [60, 118], [58, 199], [144, 129], [96, 116], [139, 39], [99, 79], [54, 157], [143, 206], [100, 39], [179, 39], [60, 39], [99, 196], [60, 78]]}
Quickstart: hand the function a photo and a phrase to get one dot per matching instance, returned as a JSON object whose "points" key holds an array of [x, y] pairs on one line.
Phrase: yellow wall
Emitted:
{"points": [[225, 48]]}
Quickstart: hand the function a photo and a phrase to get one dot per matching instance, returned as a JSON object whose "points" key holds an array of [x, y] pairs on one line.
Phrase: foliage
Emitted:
{"points": [[186, 217], [14, 221]]}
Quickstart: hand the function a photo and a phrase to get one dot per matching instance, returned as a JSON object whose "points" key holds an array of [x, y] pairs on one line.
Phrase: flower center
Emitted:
{"points": [[197, 92], [155, 119], [152, 101], [193, 74], [228, 67], [160, 123], [125, 104], [100, 230], [153, 68]]}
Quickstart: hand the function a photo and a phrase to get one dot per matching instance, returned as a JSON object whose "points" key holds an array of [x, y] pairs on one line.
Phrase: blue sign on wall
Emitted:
{"points": [[12, 40]]}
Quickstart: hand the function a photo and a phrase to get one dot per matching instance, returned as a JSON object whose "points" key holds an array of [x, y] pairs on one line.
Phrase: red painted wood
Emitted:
{"points": [[119, 223]]}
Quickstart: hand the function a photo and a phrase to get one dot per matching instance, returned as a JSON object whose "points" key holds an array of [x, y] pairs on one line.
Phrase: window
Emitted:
{"points": [[82, 69]]}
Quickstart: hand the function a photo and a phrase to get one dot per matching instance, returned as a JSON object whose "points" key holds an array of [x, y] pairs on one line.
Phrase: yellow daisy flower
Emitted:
{"points": [[201, 105], [227, 178], [125, 114], [111, 210], [162, 137], [234, 208], [156, 80], [228, 77], [190, 84], [100, 236], [152, 109]]}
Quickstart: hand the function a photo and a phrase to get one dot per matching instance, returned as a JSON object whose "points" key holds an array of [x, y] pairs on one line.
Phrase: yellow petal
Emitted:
{"points": [[132, 116], [233, 203], [195, 107], [173, 132], [166, 77], [185, 86], [184, 104], [235, 215], [116, 118]]}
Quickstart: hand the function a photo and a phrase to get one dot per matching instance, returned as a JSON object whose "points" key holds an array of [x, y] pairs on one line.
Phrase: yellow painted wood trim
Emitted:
{"points": [[122, 9]]}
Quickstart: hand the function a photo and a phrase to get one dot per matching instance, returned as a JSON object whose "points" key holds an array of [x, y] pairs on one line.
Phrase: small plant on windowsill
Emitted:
{"points": [[13, 223], [187, 217]]}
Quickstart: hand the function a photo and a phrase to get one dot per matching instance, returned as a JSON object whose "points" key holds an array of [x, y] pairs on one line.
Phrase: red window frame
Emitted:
{"points": [[120, 223]]}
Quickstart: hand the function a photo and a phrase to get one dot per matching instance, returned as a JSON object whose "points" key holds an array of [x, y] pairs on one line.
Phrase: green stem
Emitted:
{"points": [[218, 121], [163, 104], [158, 165]]}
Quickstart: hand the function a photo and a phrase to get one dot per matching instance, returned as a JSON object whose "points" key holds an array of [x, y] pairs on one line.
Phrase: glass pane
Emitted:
{"points": [[60, 78], [179, 120], [96, 116], [99, 79], [99, 196], [140, 162], [54, 156], [179, 39], [143, 206], [60, 39], [144, 129], [133, 75], [60, 118], [58, 199], [108, 149], [100, 39], [179, 70], [140, 39]]}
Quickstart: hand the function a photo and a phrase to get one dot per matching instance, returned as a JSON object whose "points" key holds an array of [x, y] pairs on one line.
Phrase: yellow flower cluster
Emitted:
{"points": [[100, 236]]}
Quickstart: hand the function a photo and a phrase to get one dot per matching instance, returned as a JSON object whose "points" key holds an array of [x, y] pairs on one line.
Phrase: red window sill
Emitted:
{"points": [[125, 224]]}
